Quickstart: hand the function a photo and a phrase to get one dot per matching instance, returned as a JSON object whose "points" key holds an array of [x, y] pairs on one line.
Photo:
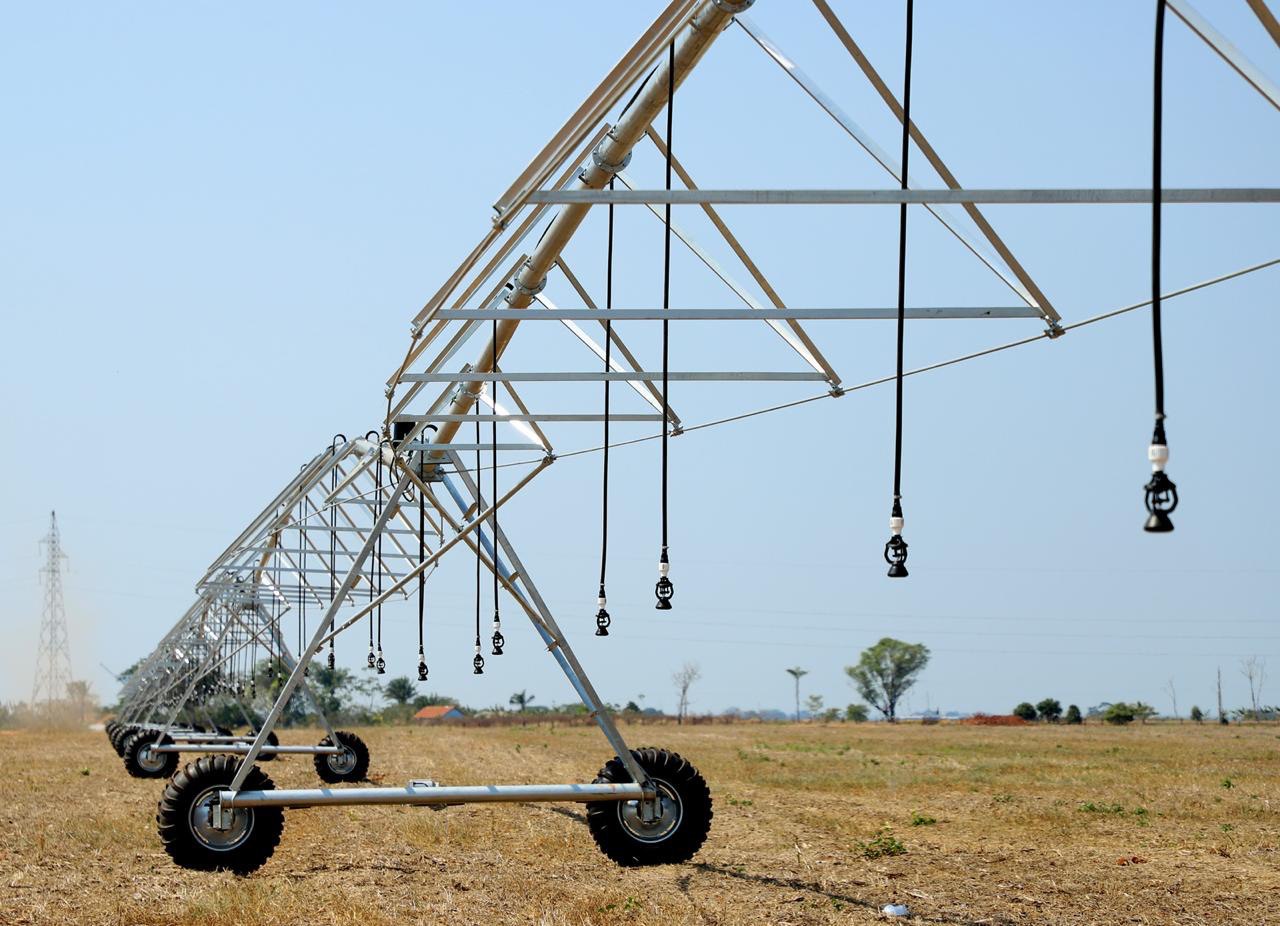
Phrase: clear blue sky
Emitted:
{"points": [[217, 221]]}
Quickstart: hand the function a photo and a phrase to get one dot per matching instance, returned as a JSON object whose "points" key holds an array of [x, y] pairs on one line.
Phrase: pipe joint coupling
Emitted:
{"points": [[608, 167], [518, 288]]}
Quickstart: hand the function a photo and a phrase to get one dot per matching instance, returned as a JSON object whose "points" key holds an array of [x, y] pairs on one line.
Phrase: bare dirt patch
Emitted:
{"points": [[997, 825]]}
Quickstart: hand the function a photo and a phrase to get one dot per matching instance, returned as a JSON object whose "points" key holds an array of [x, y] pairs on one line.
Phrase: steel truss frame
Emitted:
{"points": [[502, 281]]}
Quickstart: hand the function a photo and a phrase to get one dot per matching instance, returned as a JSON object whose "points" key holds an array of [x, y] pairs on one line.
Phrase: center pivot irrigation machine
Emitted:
{"points": [[371, 518]]}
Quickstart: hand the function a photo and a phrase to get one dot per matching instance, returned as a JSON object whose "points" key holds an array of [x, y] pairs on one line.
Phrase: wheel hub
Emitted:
{"points": [[342, 763], [149, 759], [237, 822], [666, 821]]}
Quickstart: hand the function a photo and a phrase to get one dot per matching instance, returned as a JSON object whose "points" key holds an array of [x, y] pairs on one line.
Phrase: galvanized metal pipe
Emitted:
{"points": [[710, 19], [1032, 196], [243, 749], [466, 794]]}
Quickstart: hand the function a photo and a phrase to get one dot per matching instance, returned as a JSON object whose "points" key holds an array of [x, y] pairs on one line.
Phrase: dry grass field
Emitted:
{"points": [[1158, 824]]}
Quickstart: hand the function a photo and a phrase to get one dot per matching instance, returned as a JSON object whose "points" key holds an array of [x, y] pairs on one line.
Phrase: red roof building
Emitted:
{"points": [[436, 712]]}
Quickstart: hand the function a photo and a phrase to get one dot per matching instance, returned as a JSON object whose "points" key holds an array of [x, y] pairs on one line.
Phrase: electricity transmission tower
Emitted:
{"points": [[53, 658]]}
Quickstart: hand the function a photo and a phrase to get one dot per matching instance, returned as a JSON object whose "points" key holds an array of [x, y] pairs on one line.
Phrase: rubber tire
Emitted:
{"points": [[133, 746], [119, 738], [357, 772], [272, 740], [617, 842], [173, 818]]}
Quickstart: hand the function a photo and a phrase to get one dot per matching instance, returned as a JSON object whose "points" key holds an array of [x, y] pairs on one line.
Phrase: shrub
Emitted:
{"points": [[1142, 711], [1026, 710], [1196, 714], [1119, 714], [1073, 714], [858, 713], [884, 844]]}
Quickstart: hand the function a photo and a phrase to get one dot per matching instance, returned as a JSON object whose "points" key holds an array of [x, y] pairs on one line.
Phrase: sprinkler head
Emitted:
{"points": [[372, 660], [1161, 492], [602, 621], [478, 665], [895, 554], [895, 551], [664, 590], [498, 643], [332, 661], [422, 671]]}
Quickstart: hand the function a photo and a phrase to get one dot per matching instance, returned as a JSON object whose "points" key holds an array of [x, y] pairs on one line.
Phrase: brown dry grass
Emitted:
{"points": [[1031, 827]]}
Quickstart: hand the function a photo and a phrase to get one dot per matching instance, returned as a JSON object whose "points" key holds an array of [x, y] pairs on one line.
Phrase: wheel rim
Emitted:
{"points": [[149, 760], [210, 837], [661, 828], [342, 763]]}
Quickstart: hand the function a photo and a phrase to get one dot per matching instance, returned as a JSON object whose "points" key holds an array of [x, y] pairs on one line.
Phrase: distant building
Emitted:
{"points": [[434, 713]]}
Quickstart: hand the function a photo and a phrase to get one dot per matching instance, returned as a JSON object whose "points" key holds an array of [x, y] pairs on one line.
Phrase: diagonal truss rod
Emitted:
{"points": [[707, 22], [1228, 52], [807, 350], [1267, 18], [1026, 287], [649, 392]]}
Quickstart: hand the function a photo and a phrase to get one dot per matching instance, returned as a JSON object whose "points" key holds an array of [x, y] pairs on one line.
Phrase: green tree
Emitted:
{"points": [[1142, 711], [269, 677], [886, 671], [1196, 714], [1049, 710], [1073, 714], [522, 699], [1119, 714], [330, 687], [858, 713], [400, 689], [1026, 710], [797, 673]]}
